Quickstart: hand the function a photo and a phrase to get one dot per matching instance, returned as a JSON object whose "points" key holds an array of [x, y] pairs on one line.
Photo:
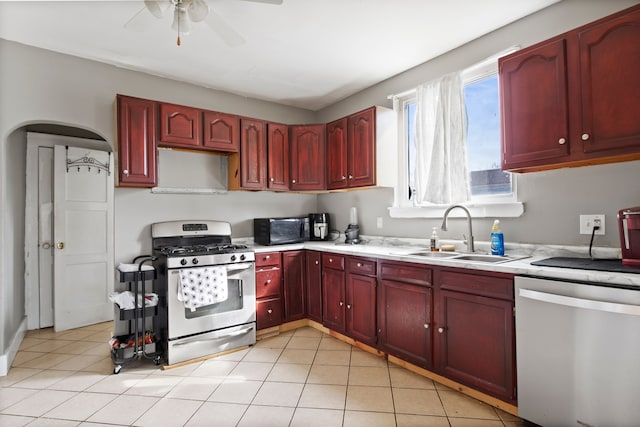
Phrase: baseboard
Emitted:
{"points": [[6, 359]]}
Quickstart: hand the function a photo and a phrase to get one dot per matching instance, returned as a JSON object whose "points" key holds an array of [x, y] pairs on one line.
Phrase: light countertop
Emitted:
{"points": [[401, 249]]}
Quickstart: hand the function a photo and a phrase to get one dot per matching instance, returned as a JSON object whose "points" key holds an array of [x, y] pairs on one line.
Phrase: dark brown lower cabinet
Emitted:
{"points": [[333, 293], [404, 315], [361, 308], [474, 332], [314, 285], [293, 270], [405, 311]]}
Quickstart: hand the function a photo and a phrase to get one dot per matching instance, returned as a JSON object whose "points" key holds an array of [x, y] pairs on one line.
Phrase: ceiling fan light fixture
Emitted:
{"points": [[180, 20]]}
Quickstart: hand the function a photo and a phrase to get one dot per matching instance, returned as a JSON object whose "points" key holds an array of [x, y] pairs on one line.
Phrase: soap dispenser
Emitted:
{"points": [[435, 241]]}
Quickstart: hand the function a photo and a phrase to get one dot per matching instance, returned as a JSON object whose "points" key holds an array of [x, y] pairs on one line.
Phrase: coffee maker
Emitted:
{"points": [[629, 226], [319, 226]]}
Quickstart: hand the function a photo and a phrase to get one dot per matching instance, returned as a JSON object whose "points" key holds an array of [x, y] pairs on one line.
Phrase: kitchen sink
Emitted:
{"points": [[434, 254], [483, 258]]}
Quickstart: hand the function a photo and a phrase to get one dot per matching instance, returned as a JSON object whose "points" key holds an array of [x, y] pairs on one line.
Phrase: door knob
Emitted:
{"points": [[46, 245], [60, 245]]}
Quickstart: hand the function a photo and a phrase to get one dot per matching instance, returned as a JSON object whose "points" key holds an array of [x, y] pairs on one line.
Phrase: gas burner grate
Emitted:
{"points": [[202, 249]]}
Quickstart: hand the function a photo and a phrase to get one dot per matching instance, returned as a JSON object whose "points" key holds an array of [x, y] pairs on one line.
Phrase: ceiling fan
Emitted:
{"points": [[187, 12]]}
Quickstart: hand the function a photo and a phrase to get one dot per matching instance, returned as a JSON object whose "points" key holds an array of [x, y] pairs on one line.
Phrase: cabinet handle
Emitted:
{"points": [[317, 262], [343, 177], [267, 282], [426, 326], [272, 179], [293, 181], [330, 259], [350, 176], [562, 141], [60, 245], [125, 172], [267, 257], [341, 303], [359, 264], [585, 136], [269, 311], [349, 306], [441, 330]]}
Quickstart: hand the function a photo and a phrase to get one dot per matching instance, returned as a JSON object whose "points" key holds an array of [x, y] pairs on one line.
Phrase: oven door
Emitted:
{"points": [[239, 307]]}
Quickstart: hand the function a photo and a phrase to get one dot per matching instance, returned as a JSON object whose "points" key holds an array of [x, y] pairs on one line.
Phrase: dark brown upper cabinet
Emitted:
{"points": [[136, 145], [573, 100]]}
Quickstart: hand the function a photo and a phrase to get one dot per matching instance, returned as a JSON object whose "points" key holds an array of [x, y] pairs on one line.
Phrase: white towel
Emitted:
{"points": [[202, 286]]}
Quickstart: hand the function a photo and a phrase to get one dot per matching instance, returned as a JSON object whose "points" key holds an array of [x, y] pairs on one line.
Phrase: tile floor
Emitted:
{"points": [[299, 378]]}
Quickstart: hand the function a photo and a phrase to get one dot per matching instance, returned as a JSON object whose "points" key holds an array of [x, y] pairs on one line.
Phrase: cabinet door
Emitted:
{"points": [[404, 316], [610, 87], [474, 342], [362, 149], [314, 286], [293, 285], [180, 126], [337, 154], [534, 104], [361, 308], [277, 156], [221, 131], [253, 155], [307, 158], [333, 299], [136, 142]]}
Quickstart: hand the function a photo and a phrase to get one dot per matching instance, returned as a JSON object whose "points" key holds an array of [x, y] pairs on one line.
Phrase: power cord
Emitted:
{"points": [[593, 233]]}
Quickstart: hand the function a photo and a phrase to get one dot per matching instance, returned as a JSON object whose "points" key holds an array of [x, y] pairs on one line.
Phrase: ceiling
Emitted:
{"points": [[304, 53]]}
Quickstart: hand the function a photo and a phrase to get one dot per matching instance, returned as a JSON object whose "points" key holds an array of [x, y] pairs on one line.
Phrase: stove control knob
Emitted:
{"points": [[183, 261], [194, 261], [242, 257], [233, 257]]}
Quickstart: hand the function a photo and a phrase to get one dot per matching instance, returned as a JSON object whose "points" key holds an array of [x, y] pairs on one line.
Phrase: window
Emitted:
{"points": [[489, 185]]}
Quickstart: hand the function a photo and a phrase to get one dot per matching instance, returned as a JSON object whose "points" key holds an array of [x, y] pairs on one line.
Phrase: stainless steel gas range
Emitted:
{"points": [[209, 288]]}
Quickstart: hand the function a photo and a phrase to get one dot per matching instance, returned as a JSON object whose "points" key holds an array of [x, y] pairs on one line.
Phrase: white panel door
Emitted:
{"points": [[83, 237]]}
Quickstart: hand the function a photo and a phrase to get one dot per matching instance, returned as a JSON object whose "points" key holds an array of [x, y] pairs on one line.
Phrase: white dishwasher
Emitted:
{"points": [[578, 353]]}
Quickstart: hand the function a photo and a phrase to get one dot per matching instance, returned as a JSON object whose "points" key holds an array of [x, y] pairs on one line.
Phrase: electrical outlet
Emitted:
{"points": [[587, 222], [379, 222]]}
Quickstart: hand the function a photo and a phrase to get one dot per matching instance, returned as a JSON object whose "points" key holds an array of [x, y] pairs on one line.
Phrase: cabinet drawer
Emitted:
{"points": [[361, 266], [268, 258], [268, 281], [477, 283], [405, 272], [333, 261], [268, 312]]}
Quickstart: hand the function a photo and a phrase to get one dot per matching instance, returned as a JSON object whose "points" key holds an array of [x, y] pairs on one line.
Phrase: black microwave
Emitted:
{"points": [[280, 231]]}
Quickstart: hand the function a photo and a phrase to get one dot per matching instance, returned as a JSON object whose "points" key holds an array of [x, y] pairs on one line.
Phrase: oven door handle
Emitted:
{"points": [[229, 335]]}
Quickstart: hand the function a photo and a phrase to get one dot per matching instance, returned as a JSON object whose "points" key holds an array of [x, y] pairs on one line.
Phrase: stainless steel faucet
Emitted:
{"points": [[469, 238]]}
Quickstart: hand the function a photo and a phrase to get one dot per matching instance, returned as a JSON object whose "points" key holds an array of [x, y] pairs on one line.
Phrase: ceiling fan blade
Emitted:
{"points": [[198, 10], [276, 2], [154, 6], [224, 30]]}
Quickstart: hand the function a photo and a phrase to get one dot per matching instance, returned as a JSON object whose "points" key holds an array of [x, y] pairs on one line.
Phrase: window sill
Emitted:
{"points": [[477, 210]]}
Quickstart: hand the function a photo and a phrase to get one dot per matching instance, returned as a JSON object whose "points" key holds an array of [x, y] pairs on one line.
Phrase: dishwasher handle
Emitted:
{"points": [[588, 304]]}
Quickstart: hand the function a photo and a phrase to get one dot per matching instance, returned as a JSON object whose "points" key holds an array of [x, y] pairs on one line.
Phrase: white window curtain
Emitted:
{"points": [[441, 133]]}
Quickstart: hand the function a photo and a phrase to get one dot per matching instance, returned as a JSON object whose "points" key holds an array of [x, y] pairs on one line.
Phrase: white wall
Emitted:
{"points": [[553, 200]]}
